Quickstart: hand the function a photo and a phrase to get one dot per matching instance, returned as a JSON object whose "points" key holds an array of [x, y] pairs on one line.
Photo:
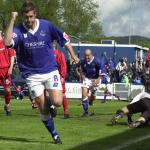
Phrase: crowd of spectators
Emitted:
{"points": [[120, 72]]}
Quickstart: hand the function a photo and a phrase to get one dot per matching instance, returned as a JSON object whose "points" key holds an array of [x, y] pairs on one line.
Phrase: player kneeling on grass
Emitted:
{"points": [[140, 104], [91, 71], [33, 41]]}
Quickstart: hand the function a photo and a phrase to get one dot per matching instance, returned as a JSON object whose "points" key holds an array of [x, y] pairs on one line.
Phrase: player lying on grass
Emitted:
{"points": [[140, 104], [91, 71], [33, 41], [7, 57]]}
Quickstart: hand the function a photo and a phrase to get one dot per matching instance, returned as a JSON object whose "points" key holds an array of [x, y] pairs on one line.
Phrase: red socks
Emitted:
{"points": [[65, 105]]}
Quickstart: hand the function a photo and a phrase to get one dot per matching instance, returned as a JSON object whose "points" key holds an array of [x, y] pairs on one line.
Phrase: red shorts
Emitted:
{"points": [[5, 79], [63, 87]]}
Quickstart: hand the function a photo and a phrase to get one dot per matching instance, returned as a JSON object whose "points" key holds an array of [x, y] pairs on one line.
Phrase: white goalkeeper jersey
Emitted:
{"points": [[140, 96]]}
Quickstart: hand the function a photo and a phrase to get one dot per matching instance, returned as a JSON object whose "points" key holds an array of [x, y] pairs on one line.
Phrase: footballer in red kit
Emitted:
{"points": [[7, 57], [62, 68]]}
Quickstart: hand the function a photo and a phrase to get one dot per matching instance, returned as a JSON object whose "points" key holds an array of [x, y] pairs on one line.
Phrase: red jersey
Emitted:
{"points": [[61, 61], [148, 60], [5, 55], [148, 64]]}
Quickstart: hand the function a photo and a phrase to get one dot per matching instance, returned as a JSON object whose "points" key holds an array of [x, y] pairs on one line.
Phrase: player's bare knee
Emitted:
{"points": [[84, 94], [58, 102]]}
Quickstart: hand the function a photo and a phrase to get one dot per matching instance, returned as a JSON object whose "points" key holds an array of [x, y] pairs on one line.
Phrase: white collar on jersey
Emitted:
{"points": [[35, 29], [91, 60]]}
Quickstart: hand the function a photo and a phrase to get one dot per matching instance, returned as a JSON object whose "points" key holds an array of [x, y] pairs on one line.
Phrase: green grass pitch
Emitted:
{"points": [[24, 130]]}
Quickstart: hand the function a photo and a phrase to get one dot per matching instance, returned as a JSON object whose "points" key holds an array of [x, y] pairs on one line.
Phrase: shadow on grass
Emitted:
{"points": [[22, 140], [118, 141]]}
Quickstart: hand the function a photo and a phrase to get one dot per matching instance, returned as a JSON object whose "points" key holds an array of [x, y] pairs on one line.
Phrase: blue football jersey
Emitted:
{"points": [[105, 79], [93, 69], [34, 48]]}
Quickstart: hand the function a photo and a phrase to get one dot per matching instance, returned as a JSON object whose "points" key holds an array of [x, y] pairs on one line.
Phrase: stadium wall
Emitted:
{"points": [[125, 91], [113, 50]]}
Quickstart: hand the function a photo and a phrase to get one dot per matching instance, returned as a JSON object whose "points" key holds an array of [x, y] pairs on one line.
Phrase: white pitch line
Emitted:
{"points": [[124, 145]]}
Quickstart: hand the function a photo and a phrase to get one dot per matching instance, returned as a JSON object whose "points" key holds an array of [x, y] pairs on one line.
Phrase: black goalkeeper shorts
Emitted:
{"points": [[142, 106]]}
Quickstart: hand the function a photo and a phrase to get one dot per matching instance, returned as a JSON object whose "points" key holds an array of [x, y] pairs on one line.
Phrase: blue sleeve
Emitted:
{"points": [[16, 37], [60, 36]]}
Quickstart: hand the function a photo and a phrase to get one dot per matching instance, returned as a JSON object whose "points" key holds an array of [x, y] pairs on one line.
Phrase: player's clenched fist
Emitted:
{"points": [[76, 59], [14, 15]]}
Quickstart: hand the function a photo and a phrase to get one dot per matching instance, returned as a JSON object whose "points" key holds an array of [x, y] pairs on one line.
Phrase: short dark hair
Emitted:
{"points": [[27, 6]]}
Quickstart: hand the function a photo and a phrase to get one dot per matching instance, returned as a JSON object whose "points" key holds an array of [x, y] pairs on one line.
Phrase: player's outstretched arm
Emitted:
{"points": [[9, 30], [72, 53]]}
